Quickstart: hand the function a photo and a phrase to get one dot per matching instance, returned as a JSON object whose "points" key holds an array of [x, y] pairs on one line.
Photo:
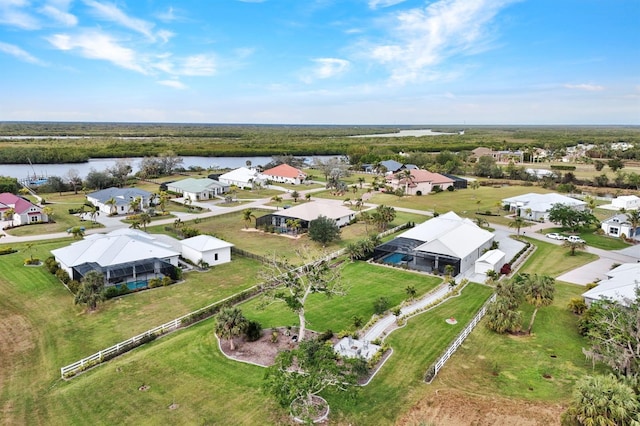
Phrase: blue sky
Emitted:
{"points": [[321, 61]]}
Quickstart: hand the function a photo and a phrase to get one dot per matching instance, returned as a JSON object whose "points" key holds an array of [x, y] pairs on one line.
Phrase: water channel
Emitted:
{"points": [[27, 171]]}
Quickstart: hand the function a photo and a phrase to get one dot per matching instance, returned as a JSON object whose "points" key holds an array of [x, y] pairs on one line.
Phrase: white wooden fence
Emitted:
{"points": [[432, 372], [99, 357]]}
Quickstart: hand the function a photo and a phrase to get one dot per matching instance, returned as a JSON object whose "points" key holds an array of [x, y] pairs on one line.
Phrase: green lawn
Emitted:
{"points": [[513, 366], [187, 368], [603, 242], [553, 260], [360, 296], [42, 329]]}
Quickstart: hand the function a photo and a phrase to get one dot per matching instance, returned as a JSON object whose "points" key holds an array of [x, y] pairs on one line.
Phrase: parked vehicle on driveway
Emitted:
{"points": [[556, 236], [575, 239]]}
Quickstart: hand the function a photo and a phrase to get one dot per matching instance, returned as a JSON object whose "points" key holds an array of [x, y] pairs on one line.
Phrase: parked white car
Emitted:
{"points": [[556, 236], [575, 239]]}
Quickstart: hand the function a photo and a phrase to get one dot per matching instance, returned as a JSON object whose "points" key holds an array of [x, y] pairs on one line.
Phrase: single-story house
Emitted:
{"points": [[198, 189], [122, 198], [284, 173], [24, 211], [421, 182], [241, 177], [391, 166], [444, 240], [125, 256], [620, 286], [534, 206], [617, 225], [306, 212], [499, 156], [627, 202], [207, 249], [491, 260]]}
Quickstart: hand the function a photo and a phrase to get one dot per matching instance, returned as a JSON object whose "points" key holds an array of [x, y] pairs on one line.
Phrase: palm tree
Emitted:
{"points": [[112, 203], [230, 323], [135, 224], [8, 215], [76, 231], [163, 197], [134, 204], [573, 246], [247, 215], [383, 216], [294, 224], [634, 219], [276, 199], [361, 181], [295, 195], [518, 222], [602, 400], [94, 212], [189, 203], [538, 291], [307, 196], [91, 290], [145, 219], [408, 178]]}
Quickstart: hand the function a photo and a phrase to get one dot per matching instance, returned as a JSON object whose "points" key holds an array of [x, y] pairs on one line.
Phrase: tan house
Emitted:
{"points": [[421, 182]]}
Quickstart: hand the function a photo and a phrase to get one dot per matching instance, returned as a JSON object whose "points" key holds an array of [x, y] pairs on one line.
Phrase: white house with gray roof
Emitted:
{"points": [[242, 178], [198, 189], [536, 207], [620, 286], [306, 212], [124, 256], [122, 198]]}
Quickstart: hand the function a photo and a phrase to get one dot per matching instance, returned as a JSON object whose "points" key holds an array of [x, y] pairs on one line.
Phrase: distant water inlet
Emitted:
{"points": [[407, 133]]}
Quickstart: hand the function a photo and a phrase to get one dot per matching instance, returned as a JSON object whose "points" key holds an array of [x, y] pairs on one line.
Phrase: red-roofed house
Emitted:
{"points": [[284, 173], [24, 211], [421, 182]]}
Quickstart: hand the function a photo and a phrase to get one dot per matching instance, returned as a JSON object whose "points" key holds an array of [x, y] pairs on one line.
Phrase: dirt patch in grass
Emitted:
{"points": [[451, 407], [16, 338], [264, 350]]}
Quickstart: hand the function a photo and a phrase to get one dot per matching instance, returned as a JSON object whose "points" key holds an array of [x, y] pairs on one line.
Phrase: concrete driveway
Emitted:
{"points": [[588, 273]]}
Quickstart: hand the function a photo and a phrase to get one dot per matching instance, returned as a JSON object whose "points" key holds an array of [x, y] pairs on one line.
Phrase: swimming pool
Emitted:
{"points": [[137, 285], [397, 258]]}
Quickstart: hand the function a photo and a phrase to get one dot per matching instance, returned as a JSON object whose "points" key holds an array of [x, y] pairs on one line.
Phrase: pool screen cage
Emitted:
{"points": [[419, 260], [130, 271]]}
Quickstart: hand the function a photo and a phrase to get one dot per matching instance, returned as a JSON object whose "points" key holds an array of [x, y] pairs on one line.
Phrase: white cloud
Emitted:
{"points": [[424, 38], [326, 68], [586, 87], [110, 12], [58, 10], [98, 45], [19, 53], [11, 14], [197, 65], [176, 84], [374, 4], [168, 15]]}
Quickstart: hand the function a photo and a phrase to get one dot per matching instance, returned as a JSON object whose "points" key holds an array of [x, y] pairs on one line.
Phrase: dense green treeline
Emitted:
{"points": [[103, 140]]}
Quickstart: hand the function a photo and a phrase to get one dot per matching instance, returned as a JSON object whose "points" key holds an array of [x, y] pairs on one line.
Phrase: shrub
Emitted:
{"points": [[253, 331], [63, 276], [577, 305], [450, 188], [155, 282], [327, 335], [51, 264], [7, 250], [167, 281], [73, 286], [506, 269], [418, 192], [380, 305], [111, 292], [34, 261]]}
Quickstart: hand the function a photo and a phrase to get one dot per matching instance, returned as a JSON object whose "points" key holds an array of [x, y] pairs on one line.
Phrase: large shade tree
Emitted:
{"points": [[323, 230], [293, 285]]}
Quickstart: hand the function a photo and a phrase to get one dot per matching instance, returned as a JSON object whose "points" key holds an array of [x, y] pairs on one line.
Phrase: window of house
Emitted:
{"points": [[215, 256], [613, 230]]}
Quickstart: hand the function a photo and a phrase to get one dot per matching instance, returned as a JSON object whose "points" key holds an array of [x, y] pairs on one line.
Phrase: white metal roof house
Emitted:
{"points": [[627, 202], [122, 198], [123, 256], [207, 249], [618, 225], [242, 178], [306, 212], [534, 206], [198, 189], [491, 260], [444, 240], [620, 286]]}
